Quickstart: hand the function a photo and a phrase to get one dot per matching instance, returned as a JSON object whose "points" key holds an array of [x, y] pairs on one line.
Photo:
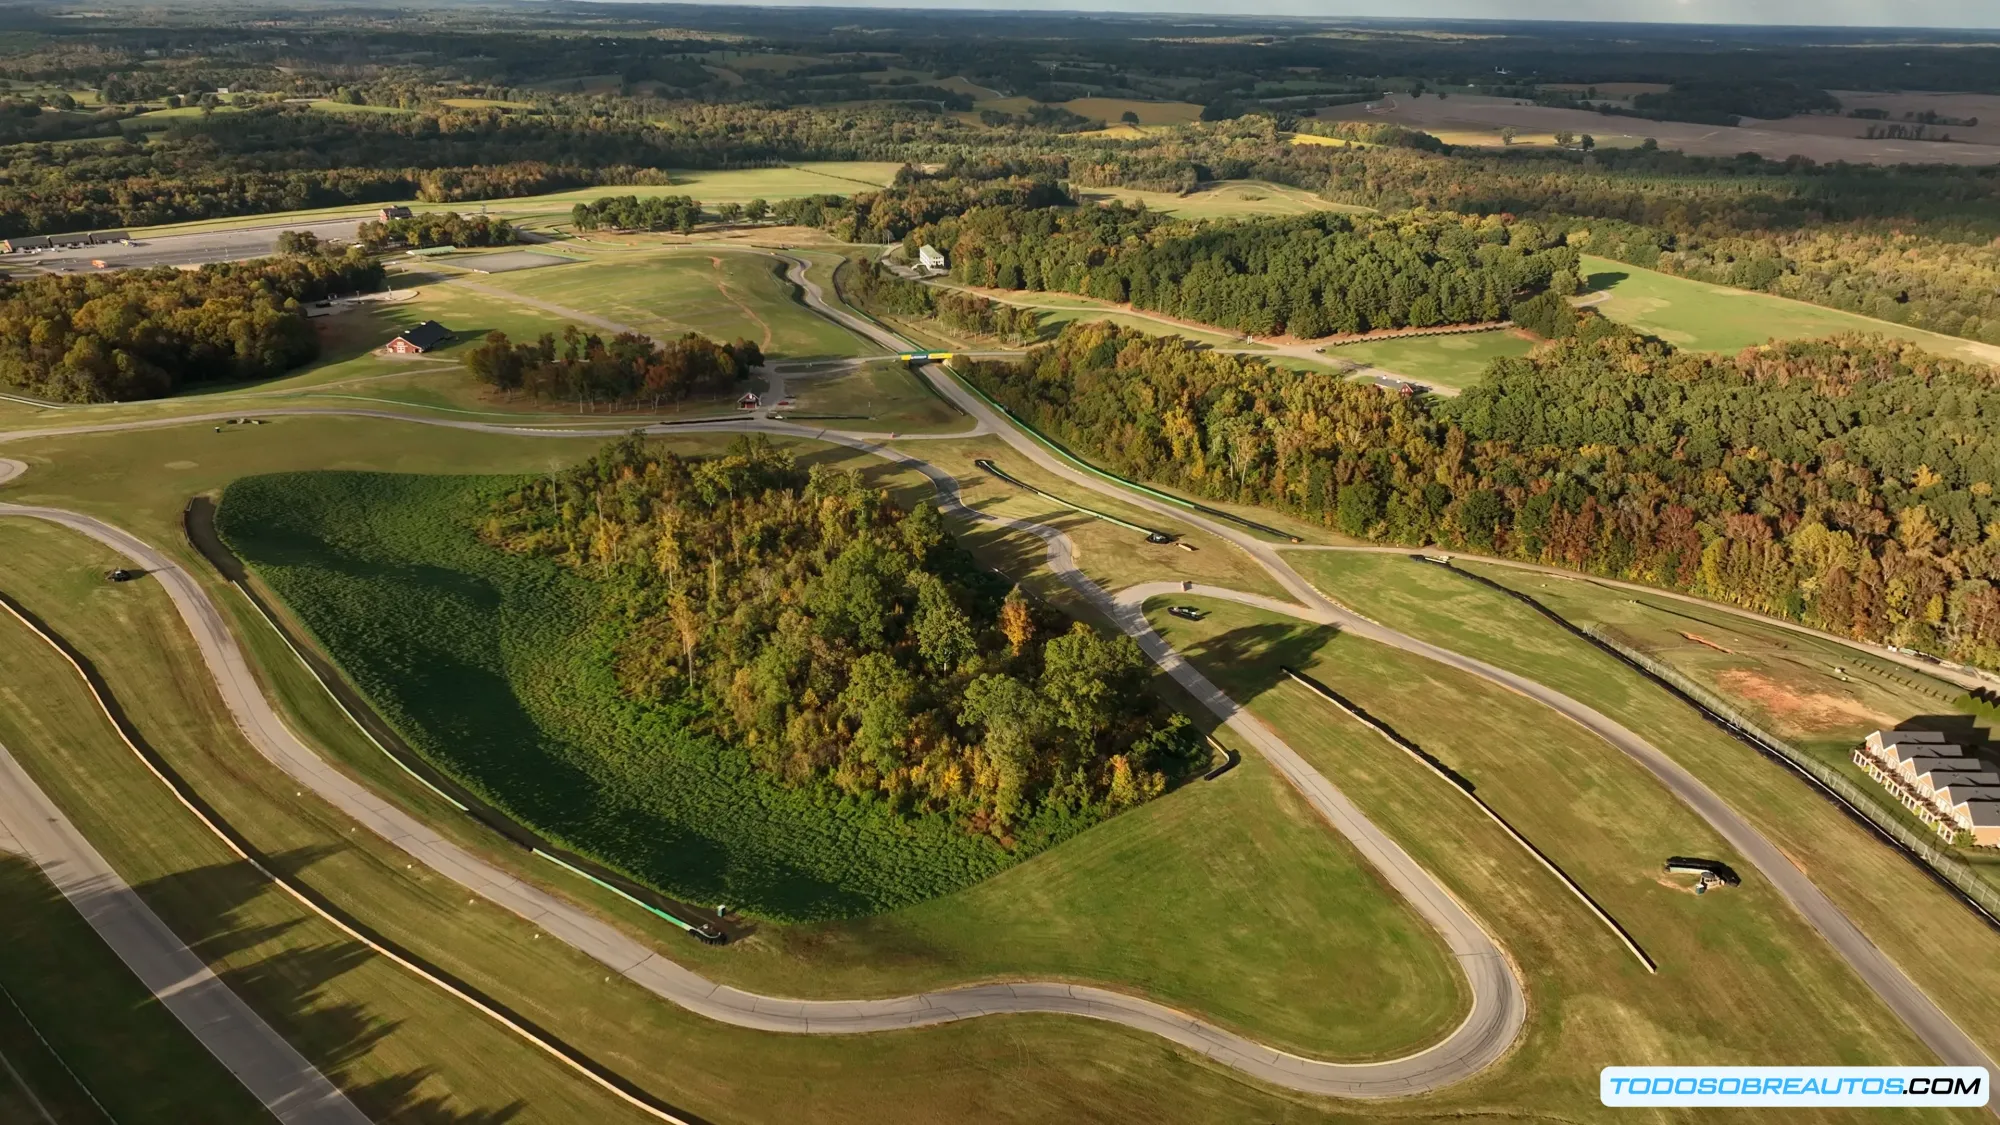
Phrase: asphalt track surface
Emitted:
{"points": [[272, 1070], [1498, 1010], [197, 248]]}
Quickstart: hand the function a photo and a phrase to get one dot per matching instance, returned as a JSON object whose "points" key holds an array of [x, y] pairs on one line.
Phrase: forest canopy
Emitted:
{"points": [[845, 641], [114, 337], [1846, 483]]}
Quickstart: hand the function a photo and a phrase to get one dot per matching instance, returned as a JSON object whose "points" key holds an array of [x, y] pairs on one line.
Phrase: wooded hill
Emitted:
{"points": [[131, 334], [1308, 276], [844, 641], [1845, 483], [627, 368]]}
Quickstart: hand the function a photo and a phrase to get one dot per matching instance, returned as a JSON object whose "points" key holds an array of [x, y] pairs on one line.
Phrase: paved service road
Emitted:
{"points": [[1896, 989], [196, 249], [290, 1087]]}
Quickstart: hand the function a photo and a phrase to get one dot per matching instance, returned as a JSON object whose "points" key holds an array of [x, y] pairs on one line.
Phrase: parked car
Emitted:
{"points": [[1187, 612], [123, 575]]}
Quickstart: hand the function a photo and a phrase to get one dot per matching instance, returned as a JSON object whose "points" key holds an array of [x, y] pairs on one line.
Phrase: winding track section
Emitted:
{"points": [[1498, 1010], [1488, 1031]]}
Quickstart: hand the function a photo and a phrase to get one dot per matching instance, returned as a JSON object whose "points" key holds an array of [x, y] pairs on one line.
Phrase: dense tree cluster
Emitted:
{"points": [[630, 212], [436, 228], [868, 284], [114, 337], [917, 200], [1308, 276], [842, 640], [626, 369], [1845, 483]]}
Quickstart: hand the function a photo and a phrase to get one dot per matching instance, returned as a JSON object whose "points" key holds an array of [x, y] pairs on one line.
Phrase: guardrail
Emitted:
{"points": [[1950, 872], [1465, 788], [1982, 895]]}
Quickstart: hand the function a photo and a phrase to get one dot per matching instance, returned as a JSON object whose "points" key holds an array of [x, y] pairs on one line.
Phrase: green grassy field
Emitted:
{"points": [[1820, 696], [1445, 361], [1742, 978], [444, 1065], [1901, 910], [86, 1028], [1704, 317], [879, 396], [1155, 901], [498, 669], [398, 1047], [723, 295], [740, 185]]}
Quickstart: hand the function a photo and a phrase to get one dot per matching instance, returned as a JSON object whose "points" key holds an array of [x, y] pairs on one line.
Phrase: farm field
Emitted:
{"points": [[1899, 908], [1112, 110], [1741, 976], [1445, 361], [1017, 1070], [75, 1024], [739, 185], [1477, 120], [1714, 318], [1226, 199]]}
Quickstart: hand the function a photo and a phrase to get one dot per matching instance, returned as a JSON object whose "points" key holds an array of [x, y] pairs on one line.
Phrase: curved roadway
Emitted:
{"points": [[1487, 1032], [1498, 1010]]}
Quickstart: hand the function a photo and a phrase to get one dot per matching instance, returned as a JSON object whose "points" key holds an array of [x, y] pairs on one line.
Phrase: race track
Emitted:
{"points": [[1499, 1005]]}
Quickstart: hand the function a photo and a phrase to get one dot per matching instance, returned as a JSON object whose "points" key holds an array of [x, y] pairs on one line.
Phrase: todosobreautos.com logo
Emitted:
{"points": [[1900, 1086]]}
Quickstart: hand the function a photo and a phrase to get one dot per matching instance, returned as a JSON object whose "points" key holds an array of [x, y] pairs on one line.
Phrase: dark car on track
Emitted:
{"points": [[1188, 612]]}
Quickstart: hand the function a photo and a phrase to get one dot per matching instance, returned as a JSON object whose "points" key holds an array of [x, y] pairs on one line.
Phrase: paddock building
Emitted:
{"points": [[1954, 790]]}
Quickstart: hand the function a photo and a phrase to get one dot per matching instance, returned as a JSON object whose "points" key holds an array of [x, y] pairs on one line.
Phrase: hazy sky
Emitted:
{"points": [[1822, 13]]}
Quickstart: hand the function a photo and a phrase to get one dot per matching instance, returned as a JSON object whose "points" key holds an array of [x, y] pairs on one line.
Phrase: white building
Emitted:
{"points": [[931, 258]]}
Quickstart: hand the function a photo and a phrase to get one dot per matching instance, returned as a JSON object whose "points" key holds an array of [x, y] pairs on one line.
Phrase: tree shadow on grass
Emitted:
{"points": [[289, 986], [1250, 660], [92, 1019], [1605, 279]]}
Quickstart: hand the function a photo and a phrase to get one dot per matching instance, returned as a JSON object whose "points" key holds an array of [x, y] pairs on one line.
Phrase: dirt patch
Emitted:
{"points": [[1801, 711], [1701, 640]]}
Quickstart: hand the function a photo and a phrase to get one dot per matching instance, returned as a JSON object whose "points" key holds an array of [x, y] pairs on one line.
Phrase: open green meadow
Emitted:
{"points": [[399, 1047], [1741, 978], [1444, 361], [405, 1052], [1902, 910], [1715, 318], [882, 396], [76, 1025], [1154, 900], [724, 295]]}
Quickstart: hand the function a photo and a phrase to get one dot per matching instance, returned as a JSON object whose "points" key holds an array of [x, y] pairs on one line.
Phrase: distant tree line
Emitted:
{"points": [[436, 228], [871, 286], [135, 334], [1309, 276], [1845, 483], [628, 368], [846, 642], [630, 212]]}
